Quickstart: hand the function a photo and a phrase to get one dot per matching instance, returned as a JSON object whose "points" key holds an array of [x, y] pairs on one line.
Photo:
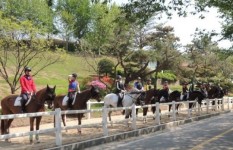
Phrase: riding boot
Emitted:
{"points": [[23, 108], [119, 102], [69, 104]]}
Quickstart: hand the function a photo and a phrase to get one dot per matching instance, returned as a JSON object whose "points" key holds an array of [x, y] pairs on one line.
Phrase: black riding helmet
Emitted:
{"points": [[74, 75], [118, 77], [27, 69]]}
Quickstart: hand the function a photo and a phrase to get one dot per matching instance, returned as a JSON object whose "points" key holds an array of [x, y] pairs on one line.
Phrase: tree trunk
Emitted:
{"points": [[12, 90], [156, 79]]}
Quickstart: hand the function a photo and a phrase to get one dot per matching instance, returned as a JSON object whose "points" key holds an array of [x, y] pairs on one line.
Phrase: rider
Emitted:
{"points": [[138, 85], [120, 89], [203, 89], [72, 88], [148, 85], [165, 91], [185, 91], [28, 87]]}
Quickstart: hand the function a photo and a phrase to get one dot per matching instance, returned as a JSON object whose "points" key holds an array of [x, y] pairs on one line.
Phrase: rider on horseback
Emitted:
{"points": [[28, 87], [120, 89], [138, 85], [165, 92], [73, 87], [149, 86], [185, 91]]}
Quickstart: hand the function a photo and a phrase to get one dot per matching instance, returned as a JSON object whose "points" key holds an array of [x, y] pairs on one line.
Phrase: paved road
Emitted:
{"points": [[210, 134]]}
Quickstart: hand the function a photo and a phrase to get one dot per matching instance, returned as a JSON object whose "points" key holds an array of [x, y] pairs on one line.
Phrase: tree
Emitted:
{"points": [[73, 18], [36, 11], [164, 48], [21, 45]]}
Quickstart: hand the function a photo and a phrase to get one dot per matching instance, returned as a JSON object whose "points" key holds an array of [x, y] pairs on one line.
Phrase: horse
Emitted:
{"points": [[215, 92], [149, 99], [173, 96], [80, 103], [35, 105], [110, 100], [196, 95]]}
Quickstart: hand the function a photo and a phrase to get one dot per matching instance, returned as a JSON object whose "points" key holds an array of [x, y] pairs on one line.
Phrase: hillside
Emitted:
{"points": [[57, 74]]}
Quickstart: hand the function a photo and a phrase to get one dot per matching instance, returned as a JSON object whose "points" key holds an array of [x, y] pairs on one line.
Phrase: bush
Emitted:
{"points": [[105, 66], [168, 76]]}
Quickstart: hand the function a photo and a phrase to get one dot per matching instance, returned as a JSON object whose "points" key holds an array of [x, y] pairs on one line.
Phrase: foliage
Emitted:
{"points": [[105, 66], [21, 46], [166, 75]]}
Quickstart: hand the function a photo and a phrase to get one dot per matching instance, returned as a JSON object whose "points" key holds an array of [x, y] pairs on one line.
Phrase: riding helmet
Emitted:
{"points": [[118, 77], [74, 75], [27, 69]]}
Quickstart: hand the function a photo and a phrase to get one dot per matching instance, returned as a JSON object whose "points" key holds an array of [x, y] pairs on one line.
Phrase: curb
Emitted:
{"points": [[134, 133]]}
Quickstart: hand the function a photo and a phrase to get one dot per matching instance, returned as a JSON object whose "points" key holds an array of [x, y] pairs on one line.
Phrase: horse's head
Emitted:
{"points": [[141, 98], [50, 96], [151, 94], [95, 93]]}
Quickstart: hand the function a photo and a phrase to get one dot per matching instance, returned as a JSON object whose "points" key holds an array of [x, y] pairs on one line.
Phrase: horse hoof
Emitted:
{"points": [[8, 140], [79, 132], [37, 141], [31, 142]]}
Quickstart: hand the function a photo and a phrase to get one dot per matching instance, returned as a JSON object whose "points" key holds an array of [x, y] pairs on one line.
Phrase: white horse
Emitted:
{"points": [[110, 100]]}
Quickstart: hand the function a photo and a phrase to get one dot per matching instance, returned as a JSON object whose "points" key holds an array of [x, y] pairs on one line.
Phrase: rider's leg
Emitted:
{"points": [[70, 100], [23, 102], [119, 100]]}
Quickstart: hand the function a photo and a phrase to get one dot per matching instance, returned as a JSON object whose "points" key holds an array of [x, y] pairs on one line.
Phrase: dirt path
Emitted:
{"points": [[48, 140]]}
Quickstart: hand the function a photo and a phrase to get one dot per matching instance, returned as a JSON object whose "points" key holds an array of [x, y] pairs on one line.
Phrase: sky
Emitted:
{"points": [[185, 27]]}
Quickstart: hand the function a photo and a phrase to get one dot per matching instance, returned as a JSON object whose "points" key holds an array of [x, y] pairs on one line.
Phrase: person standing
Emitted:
{"points": [[28, 87]]}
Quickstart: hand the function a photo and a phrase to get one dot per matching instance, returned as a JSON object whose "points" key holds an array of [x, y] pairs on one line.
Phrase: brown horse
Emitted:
{"points": [[80, 102], [35, 105], [150, 95]]}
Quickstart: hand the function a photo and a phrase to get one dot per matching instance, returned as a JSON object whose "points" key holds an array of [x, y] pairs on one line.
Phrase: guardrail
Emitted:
{"points": [[57, 113]]}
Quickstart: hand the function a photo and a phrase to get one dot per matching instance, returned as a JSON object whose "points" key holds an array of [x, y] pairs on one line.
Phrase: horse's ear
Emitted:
{"points": [[54, 88], [47, 86]]}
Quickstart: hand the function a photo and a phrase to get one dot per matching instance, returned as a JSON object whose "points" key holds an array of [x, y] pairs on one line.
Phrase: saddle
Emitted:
{"points": [[66, 98], [18, 101]]}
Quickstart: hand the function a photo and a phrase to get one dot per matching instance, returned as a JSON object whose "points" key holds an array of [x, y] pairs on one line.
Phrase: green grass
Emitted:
{"points": [[57, 74]]}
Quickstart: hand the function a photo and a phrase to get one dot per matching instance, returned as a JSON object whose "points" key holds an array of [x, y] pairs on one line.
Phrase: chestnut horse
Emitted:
{"points": [[35, 105], [79, 104]]}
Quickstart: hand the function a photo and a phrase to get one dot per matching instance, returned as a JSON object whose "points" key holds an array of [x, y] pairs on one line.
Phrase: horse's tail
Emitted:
{"points": [[2, 127]]}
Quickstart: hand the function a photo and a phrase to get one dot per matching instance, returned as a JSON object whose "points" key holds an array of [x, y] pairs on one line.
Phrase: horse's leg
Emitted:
{"points": [[144, 114], [170, 106], [127, 114], [31, 129], [2, 127], [38, 119], [79, 122], [63, 117]]}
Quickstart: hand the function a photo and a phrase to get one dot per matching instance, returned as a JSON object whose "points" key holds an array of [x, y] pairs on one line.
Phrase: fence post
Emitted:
{"points": [[228, 103], [216, 104], [134, 117], [157, 113], [105, 121], [223, 104], [174, 110], [58, 126], [198, 108], [207, 105], [189, 114], [88, 108]]}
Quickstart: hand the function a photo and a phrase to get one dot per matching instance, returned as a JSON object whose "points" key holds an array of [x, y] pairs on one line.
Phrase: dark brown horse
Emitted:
{"points": [[35, 105], [151, 95], [80, 102]]}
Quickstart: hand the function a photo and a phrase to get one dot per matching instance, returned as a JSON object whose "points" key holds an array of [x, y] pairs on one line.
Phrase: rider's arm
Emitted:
{"points": [[117, 86], [33, 86], [78, 88]]}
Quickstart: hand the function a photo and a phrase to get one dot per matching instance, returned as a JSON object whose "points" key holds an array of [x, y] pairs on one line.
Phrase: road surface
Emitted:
{"points": [[209, 134]]}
